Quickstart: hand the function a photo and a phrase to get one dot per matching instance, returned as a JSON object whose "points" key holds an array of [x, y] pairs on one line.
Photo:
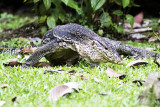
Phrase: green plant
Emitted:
{"points": [[95, 14], [10, 21]]}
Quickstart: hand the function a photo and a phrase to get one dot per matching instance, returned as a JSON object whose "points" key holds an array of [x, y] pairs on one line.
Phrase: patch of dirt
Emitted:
{"points": [[29, 30]]}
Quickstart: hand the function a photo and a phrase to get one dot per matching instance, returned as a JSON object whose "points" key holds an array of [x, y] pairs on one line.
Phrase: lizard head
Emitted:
{"points": [[105, 53]]}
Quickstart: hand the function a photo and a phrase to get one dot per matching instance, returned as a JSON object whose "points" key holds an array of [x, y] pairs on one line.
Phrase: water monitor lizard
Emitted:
{"points": [[65, 43]]}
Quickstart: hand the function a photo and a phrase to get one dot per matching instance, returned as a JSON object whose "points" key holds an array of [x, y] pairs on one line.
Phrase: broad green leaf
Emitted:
{"points": [[96, 4], [118, 2], [118, 12], [100, 32], [51, 22], [125, 3], [61, 17], [43, 9], [72, 4], [35, 1], [120, 29], [55, 13], [43, 30], [105, 19], [130, 19], [42, 19], [56, 3], [66, 2], [47, 4]]}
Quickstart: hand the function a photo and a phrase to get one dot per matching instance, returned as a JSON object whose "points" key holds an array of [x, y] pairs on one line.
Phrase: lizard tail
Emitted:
{"points": [[8, 50]]}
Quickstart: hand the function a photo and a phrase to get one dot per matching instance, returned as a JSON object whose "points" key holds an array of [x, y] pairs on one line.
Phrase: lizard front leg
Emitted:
{"points": [[51, 47]]}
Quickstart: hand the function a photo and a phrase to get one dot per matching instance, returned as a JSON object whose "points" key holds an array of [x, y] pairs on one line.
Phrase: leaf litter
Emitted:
{"points": [[111, 73], [62, 90], [136, 63]]}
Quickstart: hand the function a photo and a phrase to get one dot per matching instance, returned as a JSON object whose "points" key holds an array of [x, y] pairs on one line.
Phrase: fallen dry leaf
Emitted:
{"points": [[12, 63], [42, 64], [83, 78], [4, 85], [26, 50], [136, 63], [153, 39], [137, 21], [61, 90], [72, 72], [14, 99], [73, 85], [138, 18], [138, 82], [53, 71], [146, 23], [20, 38], [105, 93], [112, 73], [1, 103], [58, 92]]}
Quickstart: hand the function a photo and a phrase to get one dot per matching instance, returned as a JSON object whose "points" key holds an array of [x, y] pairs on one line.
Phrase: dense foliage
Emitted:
{"points": [[95, 14]]}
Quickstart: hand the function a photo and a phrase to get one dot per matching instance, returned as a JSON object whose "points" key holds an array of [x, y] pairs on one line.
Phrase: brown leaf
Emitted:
{"points": [[27, 50], [153, 39], [135, 25], [138, 18], [61, 90], [105, 93], [1, 103], [83, 78], [58, 92], [42, 64], [14, 99], [33, 49], [138, 82], [112, 73], [53, 71], [4, 85], [136, 63], [72, 72], [12, 63], [20, 38]]}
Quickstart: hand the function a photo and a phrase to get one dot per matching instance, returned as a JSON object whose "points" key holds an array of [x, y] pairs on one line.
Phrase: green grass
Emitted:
{"points": [[10, 21], [32, 86]]}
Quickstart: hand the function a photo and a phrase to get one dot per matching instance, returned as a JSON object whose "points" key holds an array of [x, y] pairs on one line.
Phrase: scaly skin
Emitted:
{"points": [[65, 43]]}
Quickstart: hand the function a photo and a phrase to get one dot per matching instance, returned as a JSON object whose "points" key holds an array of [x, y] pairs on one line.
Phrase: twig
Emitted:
{"points": [[132, 31]]}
